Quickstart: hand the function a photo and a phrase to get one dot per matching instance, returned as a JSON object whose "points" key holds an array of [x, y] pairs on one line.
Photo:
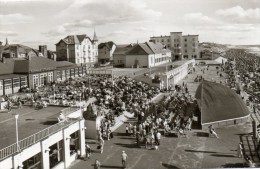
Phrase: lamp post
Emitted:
{"points": [[16, 131]]}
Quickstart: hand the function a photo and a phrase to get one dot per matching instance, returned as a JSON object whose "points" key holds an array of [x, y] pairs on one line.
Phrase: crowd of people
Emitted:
{"points": [[243, 69]]}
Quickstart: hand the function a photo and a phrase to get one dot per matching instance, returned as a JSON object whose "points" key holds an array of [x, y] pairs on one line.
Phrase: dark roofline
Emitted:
{"points": [[160, 36], [190, 35]]}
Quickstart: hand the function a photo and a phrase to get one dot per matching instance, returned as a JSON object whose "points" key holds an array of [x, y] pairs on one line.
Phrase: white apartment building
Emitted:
{"points": [[182, 46], [78, 49]]}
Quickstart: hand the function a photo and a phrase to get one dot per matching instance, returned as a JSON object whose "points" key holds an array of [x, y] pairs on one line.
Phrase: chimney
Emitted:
{"points": [[28, 56]]}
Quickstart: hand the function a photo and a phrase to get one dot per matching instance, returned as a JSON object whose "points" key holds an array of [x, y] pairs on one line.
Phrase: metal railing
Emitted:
{"points": [[69, 110], [28, 141], [99, 72]]}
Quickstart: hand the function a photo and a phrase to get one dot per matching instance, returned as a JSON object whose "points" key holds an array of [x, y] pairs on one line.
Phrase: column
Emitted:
{"points": [[45, 156], [17, 163], [82, 138], [66, 143]]}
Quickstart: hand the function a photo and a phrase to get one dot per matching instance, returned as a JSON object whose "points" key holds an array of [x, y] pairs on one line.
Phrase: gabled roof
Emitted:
{"points": [[109, 45], [123, 49], [148, 48], [74, 39]]}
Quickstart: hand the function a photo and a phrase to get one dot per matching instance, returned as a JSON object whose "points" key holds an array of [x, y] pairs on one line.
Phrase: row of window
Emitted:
{"points": [[16, 82], [161, 59]]}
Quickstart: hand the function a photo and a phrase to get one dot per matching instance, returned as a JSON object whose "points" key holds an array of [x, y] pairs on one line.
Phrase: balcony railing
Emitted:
{"points": [[28, 141]]}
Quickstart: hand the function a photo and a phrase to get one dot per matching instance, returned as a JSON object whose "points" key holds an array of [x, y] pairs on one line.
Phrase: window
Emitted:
{"points": [[1, 85], [50, 76], [35, 80], [74, 142], [8, 84], [16, 82], [72, 73], [56, 153], [33, 162], [68, 73], [59, 74], [24, 82]]}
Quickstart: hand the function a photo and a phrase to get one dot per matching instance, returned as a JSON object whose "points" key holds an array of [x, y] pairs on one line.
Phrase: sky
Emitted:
{"points": [[39, 22]]}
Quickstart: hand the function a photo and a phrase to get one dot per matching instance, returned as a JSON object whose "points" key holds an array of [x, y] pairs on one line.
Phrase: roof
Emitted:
{"points": [[25, 49], [190, 35], [7, 67], [109, 45], [218, 102], [35, 64], [123, 49], [74, 39], [148, 48]]}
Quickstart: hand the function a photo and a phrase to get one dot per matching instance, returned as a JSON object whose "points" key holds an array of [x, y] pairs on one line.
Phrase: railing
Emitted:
{"points": [[69, 110], [26, 142], [99, 72]]}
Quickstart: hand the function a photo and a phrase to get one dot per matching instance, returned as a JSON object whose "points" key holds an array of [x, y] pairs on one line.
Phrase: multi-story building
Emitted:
{"points": [[182, 46], [77, 49]]}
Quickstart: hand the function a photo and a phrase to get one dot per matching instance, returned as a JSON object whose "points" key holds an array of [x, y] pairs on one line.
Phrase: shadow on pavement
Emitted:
{"points": [[169, 166], [199, 151], [233, 165], [119, 134], [128, 138], [202, 134], [110, 166], [222, 155], [127, 145]]}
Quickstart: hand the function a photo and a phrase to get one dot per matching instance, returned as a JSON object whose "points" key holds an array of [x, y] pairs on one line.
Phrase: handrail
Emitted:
{"points": [[28, 141]]}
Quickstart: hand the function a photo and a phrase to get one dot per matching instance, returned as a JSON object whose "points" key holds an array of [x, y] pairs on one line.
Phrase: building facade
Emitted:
{"points": [[182, 46], [77, 49], [143, 55], [105, 52], [35, 72]]}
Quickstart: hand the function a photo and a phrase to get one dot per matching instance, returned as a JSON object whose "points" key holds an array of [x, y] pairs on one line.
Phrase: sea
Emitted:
{"points": [[255, 50]]}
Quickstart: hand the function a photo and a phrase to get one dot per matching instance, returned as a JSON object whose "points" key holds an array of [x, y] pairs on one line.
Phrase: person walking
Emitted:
{"points": [[97, 164], [212, 131], [124, 158], [158, 135], [101, 144]]}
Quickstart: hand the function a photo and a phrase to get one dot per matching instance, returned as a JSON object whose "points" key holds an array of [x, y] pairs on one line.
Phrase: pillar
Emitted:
{"points": [[17, 163], [82, 138], [45, 156], [66, 143]]}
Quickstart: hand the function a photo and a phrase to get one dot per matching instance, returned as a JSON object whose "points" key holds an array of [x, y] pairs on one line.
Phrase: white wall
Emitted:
{"points": [[16, 160]]}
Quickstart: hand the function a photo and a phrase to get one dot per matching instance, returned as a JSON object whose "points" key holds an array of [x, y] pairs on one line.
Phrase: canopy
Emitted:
{"points": [[218, 102]]}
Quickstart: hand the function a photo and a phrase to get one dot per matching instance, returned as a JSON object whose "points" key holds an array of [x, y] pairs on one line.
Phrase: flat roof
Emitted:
{"points": [[30, 121]]}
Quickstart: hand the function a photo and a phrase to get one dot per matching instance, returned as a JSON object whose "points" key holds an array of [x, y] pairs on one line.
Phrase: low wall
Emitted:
{"points": [[228, 122]]}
